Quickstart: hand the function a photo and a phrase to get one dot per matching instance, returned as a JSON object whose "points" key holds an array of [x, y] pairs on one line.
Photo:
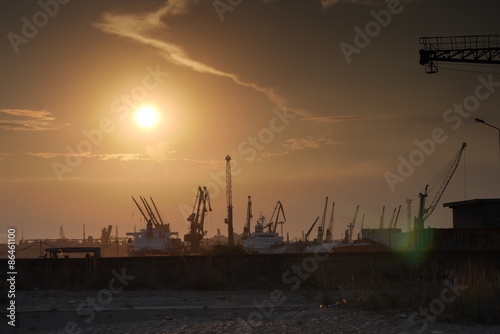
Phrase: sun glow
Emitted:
{"points": [[146, 116]]}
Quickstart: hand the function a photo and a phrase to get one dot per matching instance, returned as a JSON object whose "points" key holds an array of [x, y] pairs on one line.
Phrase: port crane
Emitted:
{"points": [[229, 199], [312, 226], [246, 229], [381, 223], [477, 49], [276, 214], [423, 212], [394, 221], [197, 219], [321, 227], [329, 230]]}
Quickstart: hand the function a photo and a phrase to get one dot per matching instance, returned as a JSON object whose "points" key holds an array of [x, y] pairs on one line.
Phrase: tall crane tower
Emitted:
{"points": [[229, 198], [477, 49], [246, 229], [423, 212]]}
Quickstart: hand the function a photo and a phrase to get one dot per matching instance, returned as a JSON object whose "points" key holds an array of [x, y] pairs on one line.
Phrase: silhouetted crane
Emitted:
{"points": [[477, 49]]}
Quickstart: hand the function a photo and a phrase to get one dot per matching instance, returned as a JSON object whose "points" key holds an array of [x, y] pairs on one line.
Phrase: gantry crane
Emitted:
{"points": [[197, 219], [229, 198], [477, 49], [423, 212], [321, 227]]}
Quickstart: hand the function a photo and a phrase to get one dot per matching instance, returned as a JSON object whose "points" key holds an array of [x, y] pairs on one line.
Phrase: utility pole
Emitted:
{"points": [[229, 198]]}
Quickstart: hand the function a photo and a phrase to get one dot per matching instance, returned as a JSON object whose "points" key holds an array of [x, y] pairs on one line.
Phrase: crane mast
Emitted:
{"points": [[477, 49], [423, 212], [246, 229], [229, 198]]}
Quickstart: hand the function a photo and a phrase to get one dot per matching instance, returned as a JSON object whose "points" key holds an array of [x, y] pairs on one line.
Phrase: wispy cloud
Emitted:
{"points": [[295, 144], [298, 144], [330, 3], [137, 27], [344, 118], [26, 120]]}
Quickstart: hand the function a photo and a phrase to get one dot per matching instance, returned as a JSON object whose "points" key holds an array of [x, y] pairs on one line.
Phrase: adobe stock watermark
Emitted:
{"points": [[248, 150], [222, 6], [453, 117], [372, 29], [30, 27], [297, 274], [122, 107], [437, 306], [104, 297]]}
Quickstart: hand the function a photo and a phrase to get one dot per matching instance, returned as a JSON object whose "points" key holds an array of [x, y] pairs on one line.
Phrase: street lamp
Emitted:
{"points": [[478, 120]]}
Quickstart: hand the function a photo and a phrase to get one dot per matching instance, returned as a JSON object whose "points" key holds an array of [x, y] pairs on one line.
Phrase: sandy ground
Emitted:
{"points": [[160, 311]]}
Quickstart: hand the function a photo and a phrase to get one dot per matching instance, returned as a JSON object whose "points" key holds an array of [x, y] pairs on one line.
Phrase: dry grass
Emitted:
{"points": [[477, 297]]}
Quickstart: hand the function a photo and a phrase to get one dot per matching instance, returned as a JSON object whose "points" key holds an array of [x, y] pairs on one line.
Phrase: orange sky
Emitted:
{"points": [[269, 85]]}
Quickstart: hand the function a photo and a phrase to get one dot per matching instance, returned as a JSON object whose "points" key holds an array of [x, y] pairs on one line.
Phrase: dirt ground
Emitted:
{"points": [[164, 311]]}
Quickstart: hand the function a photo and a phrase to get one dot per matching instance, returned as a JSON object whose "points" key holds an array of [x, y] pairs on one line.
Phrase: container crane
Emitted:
{"points": [[477, 49], [229, 198], [321, 227], [423, 212]]}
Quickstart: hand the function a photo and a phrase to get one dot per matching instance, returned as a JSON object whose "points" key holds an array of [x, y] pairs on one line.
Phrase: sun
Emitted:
{"points": [[146, 116]]}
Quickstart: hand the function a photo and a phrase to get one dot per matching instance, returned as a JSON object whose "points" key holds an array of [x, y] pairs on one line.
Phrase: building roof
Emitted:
{"points": [[472, 202]]}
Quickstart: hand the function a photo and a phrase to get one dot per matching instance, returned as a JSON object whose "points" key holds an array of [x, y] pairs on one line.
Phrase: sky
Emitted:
{"points": [[309, 98]]}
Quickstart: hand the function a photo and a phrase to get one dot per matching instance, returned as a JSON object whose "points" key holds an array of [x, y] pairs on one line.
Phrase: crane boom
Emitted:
{"points": [[477, 49], [309, 232], [425, 213], [397, 216]]}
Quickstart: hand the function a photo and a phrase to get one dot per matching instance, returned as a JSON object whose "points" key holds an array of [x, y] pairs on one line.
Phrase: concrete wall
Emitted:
{"points": [[284, 271]]}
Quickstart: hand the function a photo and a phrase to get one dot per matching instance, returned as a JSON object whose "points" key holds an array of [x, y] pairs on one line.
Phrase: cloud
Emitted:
{"points": [[298, 144], [136, 27], [330, 3], [295, 144], [26, 120], [344, 118]]}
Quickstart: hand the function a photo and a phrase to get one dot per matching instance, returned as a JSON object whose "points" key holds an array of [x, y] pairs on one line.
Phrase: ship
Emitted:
{"points": [[261, 242], [156, 238]]}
